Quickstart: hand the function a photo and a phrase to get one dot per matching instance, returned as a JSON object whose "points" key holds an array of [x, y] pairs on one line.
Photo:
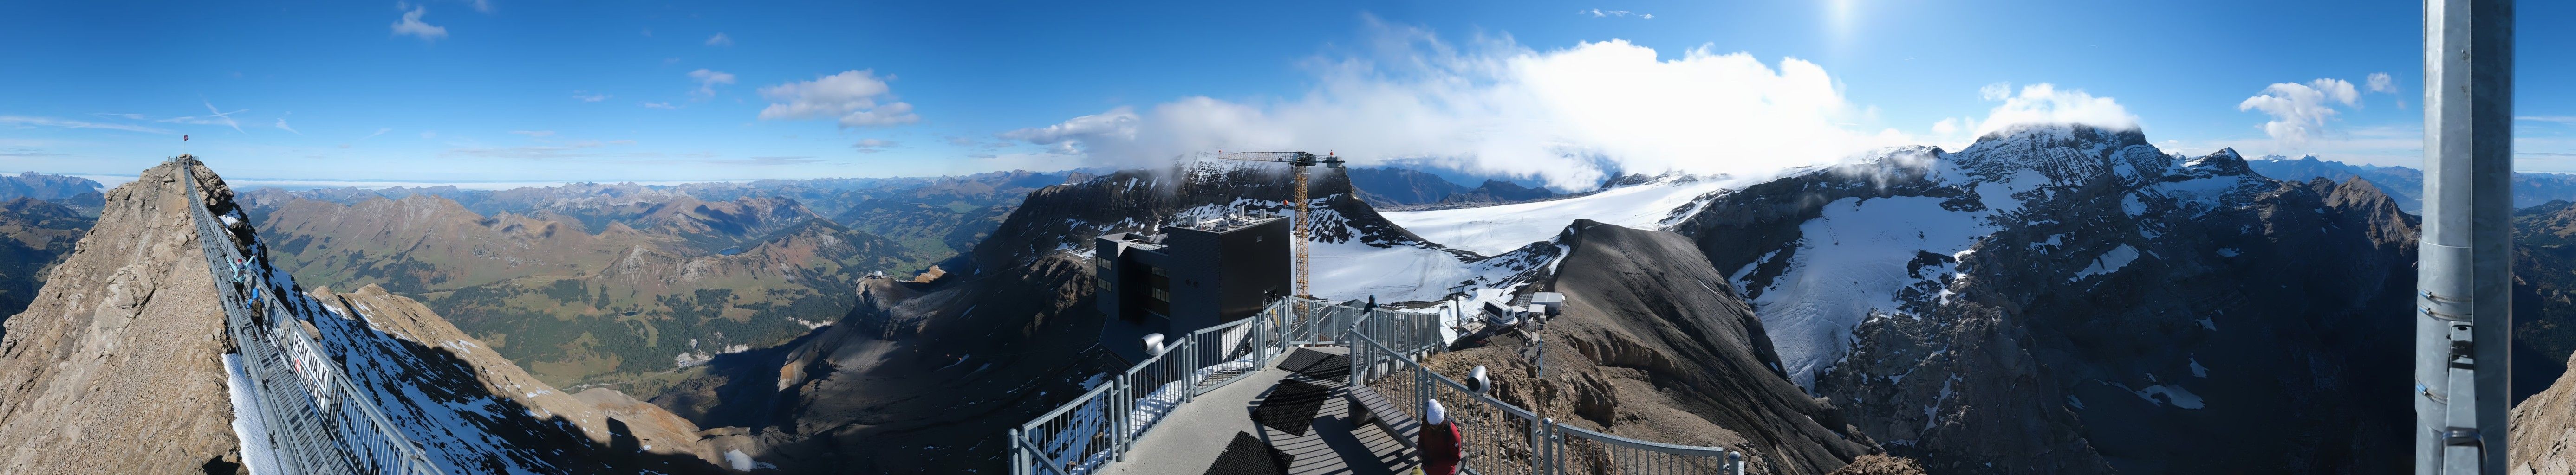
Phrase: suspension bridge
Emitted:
{"points": [[314, 419]]}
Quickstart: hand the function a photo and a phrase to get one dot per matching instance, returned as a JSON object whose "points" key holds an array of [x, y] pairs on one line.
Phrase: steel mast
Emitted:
{"points": [[2464, 276]]}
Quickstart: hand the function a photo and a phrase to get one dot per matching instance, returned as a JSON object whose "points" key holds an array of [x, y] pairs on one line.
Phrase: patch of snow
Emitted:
{"points": [[2227, 252], [2071, 400], [2108, 262], [2175, 394], [2198, 371], [248, 423], [1850, 262], [2207, 324], [1494, 230]]}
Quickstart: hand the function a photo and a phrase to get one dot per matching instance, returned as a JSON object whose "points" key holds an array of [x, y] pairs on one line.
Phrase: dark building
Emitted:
{"points": [[1191, 276]]}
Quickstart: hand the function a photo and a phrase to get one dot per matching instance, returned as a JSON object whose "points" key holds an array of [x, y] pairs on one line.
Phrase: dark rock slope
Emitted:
{"points": [[1654, 344], [2080, 302]]}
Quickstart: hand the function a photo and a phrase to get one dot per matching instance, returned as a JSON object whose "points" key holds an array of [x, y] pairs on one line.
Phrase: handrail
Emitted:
{"points": [[1549, 439]]}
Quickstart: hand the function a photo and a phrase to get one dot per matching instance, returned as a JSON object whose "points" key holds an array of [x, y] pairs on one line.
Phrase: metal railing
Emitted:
{"points": [[1499, 438], [1100, 426], [318, 422], [1083, 435]]}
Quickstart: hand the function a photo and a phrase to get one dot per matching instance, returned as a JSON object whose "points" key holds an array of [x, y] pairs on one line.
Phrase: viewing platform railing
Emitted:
{"points": [[1103, 423], [1500, 438]]}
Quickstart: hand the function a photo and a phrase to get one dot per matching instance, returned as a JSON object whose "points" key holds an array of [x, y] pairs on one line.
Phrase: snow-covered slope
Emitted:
{"points": [[1866, 256], [2070, 299], [1647, 203]]}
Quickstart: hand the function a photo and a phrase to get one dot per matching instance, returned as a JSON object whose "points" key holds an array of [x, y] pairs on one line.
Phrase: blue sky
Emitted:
{"points": [[516, 91]]}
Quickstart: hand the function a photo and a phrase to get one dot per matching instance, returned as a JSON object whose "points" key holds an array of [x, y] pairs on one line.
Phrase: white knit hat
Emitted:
{"points": [[1435, 413]]}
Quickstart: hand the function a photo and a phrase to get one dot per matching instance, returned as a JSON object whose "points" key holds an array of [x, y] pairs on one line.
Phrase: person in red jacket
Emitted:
{"points": [[1440, 449]]}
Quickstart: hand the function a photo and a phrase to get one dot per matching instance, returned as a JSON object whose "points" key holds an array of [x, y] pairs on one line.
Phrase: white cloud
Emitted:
{"points": [[281, 125], [2381, 82], [2044, 103], [1599, 13], [708, 79], [225, 118], [25, 121], [873, 145], [429, 134], [720, 40], [1119, 123], [411, 24], [379, 131], [534, 133], [852, 96], [2299, 111], [2561, 119], [659, 105], [586, 97], [484, 6], [1569, 116]]}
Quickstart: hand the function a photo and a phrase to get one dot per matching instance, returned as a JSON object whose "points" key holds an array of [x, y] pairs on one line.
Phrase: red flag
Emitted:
{"points": [[183, 138]]}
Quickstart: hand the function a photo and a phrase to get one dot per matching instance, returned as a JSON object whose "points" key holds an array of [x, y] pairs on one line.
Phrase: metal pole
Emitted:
{"points": [[2463, 280], [1019, 464]]}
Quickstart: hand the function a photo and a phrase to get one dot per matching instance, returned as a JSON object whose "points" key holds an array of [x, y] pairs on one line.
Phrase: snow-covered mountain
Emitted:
{"points": [[2052, 299]]}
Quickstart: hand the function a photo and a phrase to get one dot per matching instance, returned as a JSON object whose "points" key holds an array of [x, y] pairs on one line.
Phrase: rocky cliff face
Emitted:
{"points": [[2542, 440], [114, 367], [117, 367], [1654, 344], [2072, 300]]}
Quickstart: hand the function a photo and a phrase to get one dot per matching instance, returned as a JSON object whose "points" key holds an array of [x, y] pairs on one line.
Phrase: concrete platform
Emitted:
{"points": [[1191, 437]]}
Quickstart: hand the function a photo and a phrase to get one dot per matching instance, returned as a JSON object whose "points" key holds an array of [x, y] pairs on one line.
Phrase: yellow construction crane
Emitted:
{"points": [[1297, 163]]}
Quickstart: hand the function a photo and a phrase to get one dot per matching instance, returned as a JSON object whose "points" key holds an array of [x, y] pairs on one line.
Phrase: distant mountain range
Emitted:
{"points": [[2406, 184], [1388, 186]]}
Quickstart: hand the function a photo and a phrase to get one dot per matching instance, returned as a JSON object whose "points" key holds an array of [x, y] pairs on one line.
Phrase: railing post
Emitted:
{"points": [[1123, 414], [1018, 457], [1189, 369], [1538, 445]]}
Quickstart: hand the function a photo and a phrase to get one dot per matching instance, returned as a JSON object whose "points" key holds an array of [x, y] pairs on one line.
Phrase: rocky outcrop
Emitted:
{"points": [[2542, 437], [115, 366], [1653, 344]]}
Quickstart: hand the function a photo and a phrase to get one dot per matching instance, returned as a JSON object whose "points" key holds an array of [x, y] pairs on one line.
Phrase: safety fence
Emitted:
{"points": [[318, 421], [1080, 436], [1499, 438]]}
